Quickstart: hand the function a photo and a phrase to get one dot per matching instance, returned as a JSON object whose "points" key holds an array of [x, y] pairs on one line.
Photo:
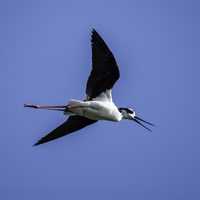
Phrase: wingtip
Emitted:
{"points": [[94, 32], [36, 144], [93, 29], [95, 35]]}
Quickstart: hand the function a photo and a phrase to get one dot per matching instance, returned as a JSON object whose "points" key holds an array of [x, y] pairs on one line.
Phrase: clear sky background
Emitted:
{"points": [[45, 57]]}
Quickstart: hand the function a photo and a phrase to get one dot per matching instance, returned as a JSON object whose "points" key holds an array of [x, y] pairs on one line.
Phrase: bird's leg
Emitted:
{"points": [[47, 107]]}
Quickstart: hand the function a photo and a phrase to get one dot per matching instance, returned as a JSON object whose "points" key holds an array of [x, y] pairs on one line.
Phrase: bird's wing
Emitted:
{"points": [[72, 124], [105, 71]]}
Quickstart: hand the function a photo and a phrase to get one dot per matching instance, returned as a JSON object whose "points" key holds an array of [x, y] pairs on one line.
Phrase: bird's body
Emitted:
{"points": [[98, 104], [95, 109]]}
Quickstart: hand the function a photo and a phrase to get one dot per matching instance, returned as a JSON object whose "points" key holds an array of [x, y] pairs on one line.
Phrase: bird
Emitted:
{"points": [[98, 104]]}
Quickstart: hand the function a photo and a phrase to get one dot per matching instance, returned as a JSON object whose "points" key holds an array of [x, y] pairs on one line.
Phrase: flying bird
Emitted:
{"points": [[98, 104]]}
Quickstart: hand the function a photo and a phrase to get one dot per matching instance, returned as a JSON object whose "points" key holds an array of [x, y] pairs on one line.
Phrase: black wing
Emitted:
{"points": [[72, 124], [105, 71]]}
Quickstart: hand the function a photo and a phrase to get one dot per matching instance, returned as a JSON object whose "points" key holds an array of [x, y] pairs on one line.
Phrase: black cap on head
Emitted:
{"points": [[128, 110]]}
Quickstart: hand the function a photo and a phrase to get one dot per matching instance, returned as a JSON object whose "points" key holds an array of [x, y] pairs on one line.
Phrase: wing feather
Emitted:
{"points": [[105, 71], [72, 124]]}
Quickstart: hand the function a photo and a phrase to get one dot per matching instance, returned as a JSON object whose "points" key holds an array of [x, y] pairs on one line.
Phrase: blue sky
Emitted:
{"points": [[45, 57]]}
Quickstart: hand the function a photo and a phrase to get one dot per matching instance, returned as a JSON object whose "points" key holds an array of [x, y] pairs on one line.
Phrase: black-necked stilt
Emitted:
{"points": [[98, 104]]}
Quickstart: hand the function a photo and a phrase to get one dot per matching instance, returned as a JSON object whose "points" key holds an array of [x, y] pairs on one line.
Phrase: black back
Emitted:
{"points": [[105, 71]]}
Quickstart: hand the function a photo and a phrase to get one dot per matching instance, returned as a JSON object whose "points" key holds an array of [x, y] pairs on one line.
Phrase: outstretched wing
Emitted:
{"points": [[72, 124], [105, 71]]}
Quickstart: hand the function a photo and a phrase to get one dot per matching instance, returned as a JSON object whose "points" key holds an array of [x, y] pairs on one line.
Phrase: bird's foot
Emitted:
{"points": [[31, 106]]}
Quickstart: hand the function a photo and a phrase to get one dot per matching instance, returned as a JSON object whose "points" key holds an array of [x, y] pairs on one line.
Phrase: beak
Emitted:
{"points": [[139, 121]]}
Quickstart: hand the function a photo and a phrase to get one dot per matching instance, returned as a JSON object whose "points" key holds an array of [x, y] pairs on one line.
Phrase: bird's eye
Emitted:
{"points": [[130, 111]]}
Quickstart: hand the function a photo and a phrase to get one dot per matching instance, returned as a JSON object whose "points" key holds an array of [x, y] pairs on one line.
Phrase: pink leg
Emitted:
{"points": [[59, 108]]}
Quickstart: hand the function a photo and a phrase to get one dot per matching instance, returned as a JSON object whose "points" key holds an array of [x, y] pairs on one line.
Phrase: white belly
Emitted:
{"points": [[96, 110]]}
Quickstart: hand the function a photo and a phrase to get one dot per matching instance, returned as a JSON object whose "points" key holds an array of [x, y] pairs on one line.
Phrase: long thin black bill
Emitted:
{"points": [[142, 124], [138, 118]]}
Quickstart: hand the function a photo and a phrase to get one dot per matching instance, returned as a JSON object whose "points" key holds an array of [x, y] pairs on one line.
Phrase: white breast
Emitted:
{"points": [[100, 108], [95, 110], [103, 111]]}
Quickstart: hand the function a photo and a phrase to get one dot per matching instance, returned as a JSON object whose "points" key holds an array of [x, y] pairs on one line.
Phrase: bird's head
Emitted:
{"points": [[130, 114]]}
